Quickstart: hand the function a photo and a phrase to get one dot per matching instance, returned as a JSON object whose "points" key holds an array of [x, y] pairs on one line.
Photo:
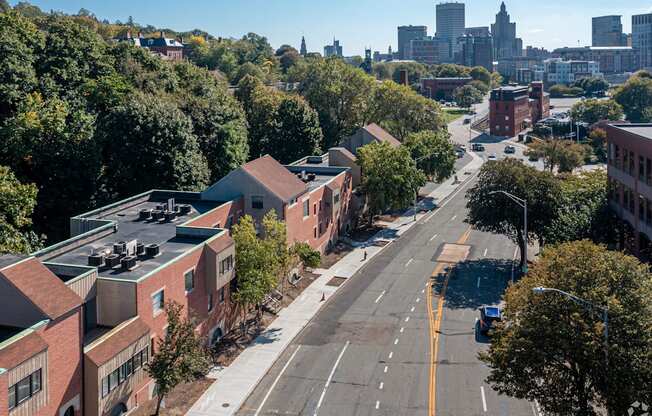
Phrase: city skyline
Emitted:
{"points": [[359, 25]]}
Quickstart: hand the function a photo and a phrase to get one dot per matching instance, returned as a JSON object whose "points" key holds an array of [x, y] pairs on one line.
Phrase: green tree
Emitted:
{"points": [[451, 71], [583, 212], [390, 178], [297, 133], [28, 10], [21, 44], [496, 80], [415, 71], [255, 266], [275, 241], [635, 96], [180, 356], [592, 110], [558, 154], [560, 91], [401, 111], [52, 144], [467, 95], [551, 349], [340, 95], [4, 6], [17, 202], [436, 152], [149, 144], [480, 73], [592, 85], [598, 138], [496, 213], [288, 60], [247, 69], [309, 257]]}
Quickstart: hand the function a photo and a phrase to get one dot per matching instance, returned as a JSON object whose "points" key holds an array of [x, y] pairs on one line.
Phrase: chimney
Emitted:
{"points": [[162, 34]]}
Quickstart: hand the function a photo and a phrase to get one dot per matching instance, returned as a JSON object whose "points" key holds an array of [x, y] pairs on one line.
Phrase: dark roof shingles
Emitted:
{"points": [[381, 135]]}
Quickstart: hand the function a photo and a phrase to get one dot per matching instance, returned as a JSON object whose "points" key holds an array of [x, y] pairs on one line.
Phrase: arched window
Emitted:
{"points": [[70, 411]]}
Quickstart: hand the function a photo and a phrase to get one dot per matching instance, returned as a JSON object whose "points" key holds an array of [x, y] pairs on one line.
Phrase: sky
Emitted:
{"points": [[356, 23]]}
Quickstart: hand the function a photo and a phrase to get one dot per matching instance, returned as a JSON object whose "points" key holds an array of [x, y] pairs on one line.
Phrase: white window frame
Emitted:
{"points": [[157, 312], [192, 269]]}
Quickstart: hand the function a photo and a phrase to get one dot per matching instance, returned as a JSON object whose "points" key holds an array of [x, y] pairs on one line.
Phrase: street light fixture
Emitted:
{"points": [[589, 306], [523, 204]]}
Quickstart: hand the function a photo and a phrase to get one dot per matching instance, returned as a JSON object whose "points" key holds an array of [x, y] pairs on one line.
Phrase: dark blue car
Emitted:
{"points": [[489, 317]]}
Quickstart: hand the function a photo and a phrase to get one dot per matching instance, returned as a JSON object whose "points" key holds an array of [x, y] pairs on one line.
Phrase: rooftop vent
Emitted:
{"points": [[96, 260], [185, 209], [311, 177], [120, 248], [145, 214], [315, 160], [112, 260], [128, 263], [157, 214], [169, 216], [140, 249]]}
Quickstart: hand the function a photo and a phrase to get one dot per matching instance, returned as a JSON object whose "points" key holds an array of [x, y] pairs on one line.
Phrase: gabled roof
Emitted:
{"points": [[116, 341], [275, 177], [381, 135], [42, 287], [21, 349]]}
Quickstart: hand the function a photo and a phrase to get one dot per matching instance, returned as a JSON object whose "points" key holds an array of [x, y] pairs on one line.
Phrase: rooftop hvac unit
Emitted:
{"points": [[170, 216], [157, 214], [315, 160], [161, 207], [311, 177], [119, 248], [112, 260], [96, 260], [145, 214], [128, 262], [152, 250], [185, 209], [140, 249]]}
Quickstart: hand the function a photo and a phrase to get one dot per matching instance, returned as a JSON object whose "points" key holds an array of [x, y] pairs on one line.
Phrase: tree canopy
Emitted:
{"points": [[593, 110], [552, 350], [434, 153], [17, 203], [635, 96], [467, 95], [559, 154]]}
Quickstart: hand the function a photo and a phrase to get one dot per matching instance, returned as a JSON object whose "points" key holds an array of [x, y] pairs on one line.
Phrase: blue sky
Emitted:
{"points": [[356, 23]]}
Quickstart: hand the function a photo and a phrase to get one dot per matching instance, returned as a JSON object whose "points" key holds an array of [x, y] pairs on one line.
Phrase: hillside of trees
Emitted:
{"points": [[85, 120]]}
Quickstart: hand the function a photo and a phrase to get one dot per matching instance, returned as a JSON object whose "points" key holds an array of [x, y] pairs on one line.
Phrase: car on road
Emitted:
{"points": [[477, 147], [492, 156], [510, 149], [467, 121], [490, 316]]}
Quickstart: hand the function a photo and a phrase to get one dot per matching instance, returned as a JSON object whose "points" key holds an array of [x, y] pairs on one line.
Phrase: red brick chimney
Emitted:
{"points": [[403, 77]]}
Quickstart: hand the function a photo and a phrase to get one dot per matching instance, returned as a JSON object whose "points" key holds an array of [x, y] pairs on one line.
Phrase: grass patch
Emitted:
{"points": [[451, 115]]}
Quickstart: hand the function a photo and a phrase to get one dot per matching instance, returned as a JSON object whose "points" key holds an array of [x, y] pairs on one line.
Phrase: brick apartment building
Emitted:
{"points": [[167, 48], [442, 88], [79, 319], [629, 167], [512, 109]]}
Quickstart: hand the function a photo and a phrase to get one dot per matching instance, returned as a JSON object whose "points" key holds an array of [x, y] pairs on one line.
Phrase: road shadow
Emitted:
{"points": [[485, 138], [463, 291]]}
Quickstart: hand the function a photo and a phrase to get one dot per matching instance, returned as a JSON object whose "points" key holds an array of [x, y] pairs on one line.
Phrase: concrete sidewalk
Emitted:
{"points": [[234, 383]]}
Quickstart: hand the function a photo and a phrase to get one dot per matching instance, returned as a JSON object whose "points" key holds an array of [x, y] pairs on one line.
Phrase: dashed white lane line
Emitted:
{"points": [[379, 296], [409, 262], [276, 381], [381, 385], [423, 290], [418, 299], [433, 237], [407, 318], [402, 329], [484, 399], [485, 252], [377, 404], [412, 310], [454, 216], [396, 341], [330, 377], [385, 370], [391, 354]]}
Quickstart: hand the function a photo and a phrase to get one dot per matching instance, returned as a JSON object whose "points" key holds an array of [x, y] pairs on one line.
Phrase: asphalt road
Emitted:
{"points": [[368, 352]]}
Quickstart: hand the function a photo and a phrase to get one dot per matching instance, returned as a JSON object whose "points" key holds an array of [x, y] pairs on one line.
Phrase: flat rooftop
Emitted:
{"points": [[129, 228], [642, 130], [318, 173], [7, 332]]}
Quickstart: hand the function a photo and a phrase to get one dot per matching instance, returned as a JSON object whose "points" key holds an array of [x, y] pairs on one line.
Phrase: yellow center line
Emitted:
{"points": [[435, 325]]}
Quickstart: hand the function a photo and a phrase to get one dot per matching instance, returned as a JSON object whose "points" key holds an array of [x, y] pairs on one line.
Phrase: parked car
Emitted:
{"points": [[477, 147], [510, 149], [489, 317], [467, 121], [492, 156]]}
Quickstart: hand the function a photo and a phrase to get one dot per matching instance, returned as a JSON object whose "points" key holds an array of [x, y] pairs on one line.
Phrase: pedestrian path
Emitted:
{"points": [[234, 383]]}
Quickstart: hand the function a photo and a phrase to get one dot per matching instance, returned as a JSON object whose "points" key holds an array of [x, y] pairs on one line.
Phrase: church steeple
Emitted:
{"points": [[503, 8], [304, 49]]}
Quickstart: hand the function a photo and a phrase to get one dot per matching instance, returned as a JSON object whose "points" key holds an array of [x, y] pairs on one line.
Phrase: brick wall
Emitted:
{"points": [[219, 217]]}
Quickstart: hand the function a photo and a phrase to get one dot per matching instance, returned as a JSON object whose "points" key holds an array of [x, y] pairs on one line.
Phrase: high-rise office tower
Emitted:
{"points": [[407, 34], [642, 40], [450, 20], [333, 50], [607, 31], [506, 44]]}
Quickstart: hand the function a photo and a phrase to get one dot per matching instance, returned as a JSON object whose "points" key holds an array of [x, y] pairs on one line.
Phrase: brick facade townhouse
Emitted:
{"points": [[629, 167], [79, 319], [513, 108]]}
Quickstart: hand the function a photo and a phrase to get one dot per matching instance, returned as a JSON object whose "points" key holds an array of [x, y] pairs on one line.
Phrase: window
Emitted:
{"points": [[641, 208], [336, 198], [189, 279], [158, 301], [233, 286], [256, 202], [631, 163], [229, 221], [314, 209], [641, 168], [222, 294], [122, 373], [306, 208], [24, 389], [210, 302], [617, 156], [226, 264], [314, 232]]}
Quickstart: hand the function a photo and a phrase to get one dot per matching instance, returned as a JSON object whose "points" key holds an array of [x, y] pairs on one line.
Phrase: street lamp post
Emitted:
{"points": [[590, 306], [523, 204]]}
